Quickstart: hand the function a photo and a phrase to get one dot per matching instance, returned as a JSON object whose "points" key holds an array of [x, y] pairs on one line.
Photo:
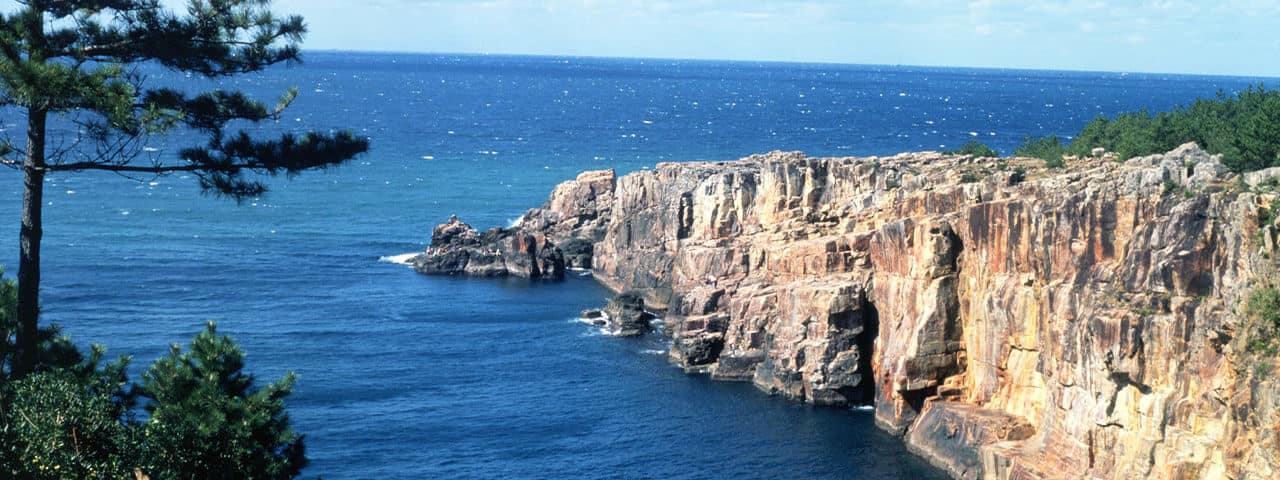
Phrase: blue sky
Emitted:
{"points": [[1240, 37]]}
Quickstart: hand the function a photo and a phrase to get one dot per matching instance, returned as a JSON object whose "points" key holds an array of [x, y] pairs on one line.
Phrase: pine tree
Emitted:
{"points": [[207, 420], [79, 59]]}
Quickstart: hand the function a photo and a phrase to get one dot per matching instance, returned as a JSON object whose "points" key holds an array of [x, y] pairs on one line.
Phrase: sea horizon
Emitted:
{"points": [[906, 66]]}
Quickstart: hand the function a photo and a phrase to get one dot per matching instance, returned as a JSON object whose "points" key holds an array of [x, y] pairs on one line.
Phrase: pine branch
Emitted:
{"points": [[125, 168]]}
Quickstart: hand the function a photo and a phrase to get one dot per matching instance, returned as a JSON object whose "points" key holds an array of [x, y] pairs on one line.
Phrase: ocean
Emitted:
{"points": [[408, 376]]}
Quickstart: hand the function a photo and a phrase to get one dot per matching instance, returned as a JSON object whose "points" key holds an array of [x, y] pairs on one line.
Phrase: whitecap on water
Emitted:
{"points": [[402, 259], [649, 351], [864, 408]]}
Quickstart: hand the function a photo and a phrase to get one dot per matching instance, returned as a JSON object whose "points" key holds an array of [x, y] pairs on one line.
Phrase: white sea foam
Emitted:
{"points": [[402, 259], [649, 351], [864, 408]]}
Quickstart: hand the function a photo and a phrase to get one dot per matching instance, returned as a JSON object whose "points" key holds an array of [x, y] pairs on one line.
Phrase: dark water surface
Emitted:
{"points": [[405, 376]]}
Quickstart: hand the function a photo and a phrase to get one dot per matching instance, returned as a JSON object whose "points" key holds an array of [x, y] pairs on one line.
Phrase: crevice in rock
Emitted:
{"points": [[685, 216], [915, 398], [865, 392]]}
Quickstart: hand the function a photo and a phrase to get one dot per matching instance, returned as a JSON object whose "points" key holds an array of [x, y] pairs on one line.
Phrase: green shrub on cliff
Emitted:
{"points": [[1263, 344], [974, 149], [73, 417], [1244, 128], [1128, 135], [1050, 149]]}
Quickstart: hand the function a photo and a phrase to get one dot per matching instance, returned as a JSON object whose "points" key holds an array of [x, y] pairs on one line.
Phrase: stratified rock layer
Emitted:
{"points": [[1036, 323]]}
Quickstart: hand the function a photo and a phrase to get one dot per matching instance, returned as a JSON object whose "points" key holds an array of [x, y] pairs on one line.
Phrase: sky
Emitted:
{"points": [[1225, 37]]}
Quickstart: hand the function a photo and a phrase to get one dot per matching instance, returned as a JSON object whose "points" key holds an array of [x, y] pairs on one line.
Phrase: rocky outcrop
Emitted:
{"points": [[1074, 323], [625, 315], [456, 248]]}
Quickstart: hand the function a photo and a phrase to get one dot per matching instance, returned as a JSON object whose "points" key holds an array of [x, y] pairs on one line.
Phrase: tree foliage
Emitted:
{"points": [[86, 68], [206, 416], [1244, 128], [83, 62], [74, 417], [975, 149], [1049, 148]]}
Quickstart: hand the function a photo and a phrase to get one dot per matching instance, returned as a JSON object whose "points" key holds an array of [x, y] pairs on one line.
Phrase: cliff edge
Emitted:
{"points": [[1010, 321]]}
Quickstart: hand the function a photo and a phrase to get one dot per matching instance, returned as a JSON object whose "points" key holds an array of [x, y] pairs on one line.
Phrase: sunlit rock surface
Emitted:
{"points": [[1010, 321]]}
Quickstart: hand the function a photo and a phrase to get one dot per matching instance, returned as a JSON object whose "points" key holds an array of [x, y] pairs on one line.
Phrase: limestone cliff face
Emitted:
{"points": [[1010, 321]]}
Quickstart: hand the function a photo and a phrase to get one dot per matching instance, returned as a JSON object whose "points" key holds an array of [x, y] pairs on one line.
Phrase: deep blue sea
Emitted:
{"points": [[407, 376]]}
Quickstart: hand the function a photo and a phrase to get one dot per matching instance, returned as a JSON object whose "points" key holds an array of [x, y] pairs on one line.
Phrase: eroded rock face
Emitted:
{"points": [[625, 315], [456, 248], [1070, 323]]}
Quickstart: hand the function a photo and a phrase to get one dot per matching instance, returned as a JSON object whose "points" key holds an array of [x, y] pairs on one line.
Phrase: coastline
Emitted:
{"points": [[944, 299]]}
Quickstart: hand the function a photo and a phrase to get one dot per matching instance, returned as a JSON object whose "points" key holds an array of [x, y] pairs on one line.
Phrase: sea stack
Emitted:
{"points": [[1009, 320]]}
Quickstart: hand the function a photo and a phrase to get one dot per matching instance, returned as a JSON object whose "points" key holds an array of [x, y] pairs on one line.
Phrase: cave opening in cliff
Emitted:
{"points": [[865, 392]]}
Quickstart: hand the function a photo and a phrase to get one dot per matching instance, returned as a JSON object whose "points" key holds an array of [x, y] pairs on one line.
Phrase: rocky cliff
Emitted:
{"points": [[1008, 320]]}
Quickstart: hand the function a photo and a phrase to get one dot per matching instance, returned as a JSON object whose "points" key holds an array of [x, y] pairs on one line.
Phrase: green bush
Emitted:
{"points": [[55, 427], [74, 418], [975, 149], [205, 416], [1263, 309], [1019, 175], [1050, 149], [1245, 129], [1264, 305]]}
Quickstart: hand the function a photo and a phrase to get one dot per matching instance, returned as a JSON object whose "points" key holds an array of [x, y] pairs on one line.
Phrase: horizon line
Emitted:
{"points": [[786, 62]]}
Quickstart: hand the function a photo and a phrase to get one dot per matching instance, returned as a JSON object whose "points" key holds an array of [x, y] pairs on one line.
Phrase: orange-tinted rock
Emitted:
{"points": [[1079, 323]]}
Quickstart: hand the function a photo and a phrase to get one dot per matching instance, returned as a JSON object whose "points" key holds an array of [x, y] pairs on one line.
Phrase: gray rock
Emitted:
{"points": [[625, 315], [1261, 177]]}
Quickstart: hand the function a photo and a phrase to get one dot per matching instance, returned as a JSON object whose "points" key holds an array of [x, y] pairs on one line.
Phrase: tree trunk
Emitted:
{"points": [[29, 241]]}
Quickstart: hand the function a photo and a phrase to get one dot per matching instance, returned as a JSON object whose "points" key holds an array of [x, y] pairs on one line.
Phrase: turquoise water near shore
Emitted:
{"points": [[406, 376]]}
